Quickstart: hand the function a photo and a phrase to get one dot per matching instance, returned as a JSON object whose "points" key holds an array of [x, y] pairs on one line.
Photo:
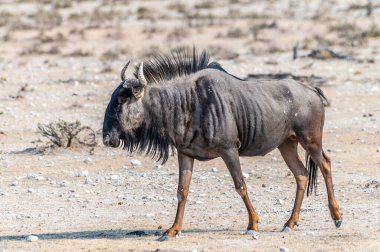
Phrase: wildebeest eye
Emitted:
{"points": [[124, 96], [123, 99]]}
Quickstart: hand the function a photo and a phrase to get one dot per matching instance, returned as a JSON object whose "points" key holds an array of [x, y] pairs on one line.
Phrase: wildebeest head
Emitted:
{"points": [[125, 112]]}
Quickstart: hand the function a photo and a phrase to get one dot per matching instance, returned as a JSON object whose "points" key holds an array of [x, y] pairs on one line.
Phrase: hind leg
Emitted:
{"points": [[324, 163], [289, 152]]}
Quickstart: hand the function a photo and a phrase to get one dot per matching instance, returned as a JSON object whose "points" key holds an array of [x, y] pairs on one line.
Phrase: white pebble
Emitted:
{"points": [[198, 202], [135, 162], [283, 249], [214, 169], [245, 175], [149, 215], [32, 238], [30, 190], [114, 177]]}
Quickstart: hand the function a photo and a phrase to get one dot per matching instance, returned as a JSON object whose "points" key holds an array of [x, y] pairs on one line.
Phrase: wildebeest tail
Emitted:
{"points": [[312, 169], [326, 102]]}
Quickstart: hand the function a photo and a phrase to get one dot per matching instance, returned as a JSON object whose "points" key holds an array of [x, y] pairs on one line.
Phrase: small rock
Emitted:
{"points": [[245, 175], [73, 195], [135, 162], [51, 164], [30, 190], [214, 169], [64, 183], [284, 249], [88, 160], [32, 238], [15, 183], [280, 201], [198, 202], [88, 181], [83, 173]]}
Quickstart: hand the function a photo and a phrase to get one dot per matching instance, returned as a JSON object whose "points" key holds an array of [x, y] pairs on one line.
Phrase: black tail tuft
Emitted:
{"points": [[326, 102], [312, 168]]}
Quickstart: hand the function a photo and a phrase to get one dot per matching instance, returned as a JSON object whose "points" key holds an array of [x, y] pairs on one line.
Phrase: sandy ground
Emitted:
{"points": [[62, 61]]}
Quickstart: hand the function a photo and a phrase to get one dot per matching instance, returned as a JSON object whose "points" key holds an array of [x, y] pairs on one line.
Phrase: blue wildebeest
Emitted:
{"points": [[182, 100]]}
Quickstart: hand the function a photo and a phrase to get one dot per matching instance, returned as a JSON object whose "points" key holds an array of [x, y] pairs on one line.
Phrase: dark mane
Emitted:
{"points": [[149, 140], [180, 62]]}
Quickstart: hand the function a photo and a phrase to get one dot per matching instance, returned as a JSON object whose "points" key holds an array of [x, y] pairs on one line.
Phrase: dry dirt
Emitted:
{"points": [[61, 60]]}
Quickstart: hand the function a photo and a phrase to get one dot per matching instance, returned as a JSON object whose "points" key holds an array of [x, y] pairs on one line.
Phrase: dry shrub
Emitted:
{"points": [[145, 13], [80, 53], [100, 18], [151, 51], [65, 134], [222, 53], [7, 36], [197, 19], [22, 91], [115, 53], [113, 2], [47, 19], [232, 33], [58, 37], [205, 5], [39, 49], [5, 18], [62, 4], [373, 31], [179, 7], [234, 13], [257, 28], [178, 33], [350, 34], [152, 29]]}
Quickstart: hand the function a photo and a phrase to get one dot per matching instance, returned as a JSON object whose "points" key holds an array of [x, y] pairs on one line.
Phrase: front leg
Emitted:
{"points": [[185, 172], [231, 158]]}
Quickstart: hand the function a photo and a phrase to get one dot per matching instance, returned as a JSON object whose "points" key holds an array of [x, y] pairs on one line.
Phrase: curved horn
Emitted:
{"points": [[122, 75], [141, 76]]}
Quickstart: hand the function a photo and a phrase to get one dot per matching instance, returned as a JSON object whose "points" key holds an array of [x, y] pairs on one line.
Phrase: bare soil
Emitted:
{"points": [[62, 60]]}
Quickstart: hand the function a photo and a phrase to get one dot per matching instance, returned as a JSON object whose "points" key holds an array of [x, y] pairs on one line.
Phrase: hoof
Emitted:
{"points": [[338, 222], [179, 234], [163, 238], [286, 229], [255, 236]]}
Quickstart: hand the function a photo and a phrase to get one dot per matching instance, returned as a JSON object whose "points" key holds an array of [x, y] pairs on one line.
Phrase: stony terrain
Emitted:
{"points": [[60, 60]]}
